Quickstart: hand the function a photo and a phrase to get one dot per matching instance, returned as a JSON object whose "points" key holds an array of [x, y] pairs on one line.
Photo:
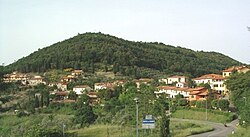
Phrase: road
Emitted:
{"points": [[219, 129]]}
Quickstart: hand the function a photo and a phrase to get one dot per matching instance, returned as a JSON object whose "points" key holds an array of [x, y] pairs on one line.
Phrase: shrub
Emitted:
{"points": [[214, 104], [182, 102], [200, 104], [223, 104], [193, 103]]}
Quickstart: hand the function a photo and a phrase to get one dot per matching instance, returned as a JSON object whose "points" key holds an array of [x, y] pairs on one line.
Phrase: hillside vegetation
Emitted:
{"points": [[96, 51]]}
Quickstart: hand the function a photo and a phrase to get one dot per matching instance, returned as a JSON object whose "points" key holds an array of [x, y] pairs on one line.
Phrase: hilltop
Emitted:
{"points": [[96, 51]]}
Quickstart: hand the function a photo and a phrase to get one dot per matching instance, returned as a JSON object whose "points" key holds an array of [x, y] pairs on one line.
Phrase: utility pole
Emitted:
{"points": [[63, 128], [245, 100], [136, 101], [206, 109]]}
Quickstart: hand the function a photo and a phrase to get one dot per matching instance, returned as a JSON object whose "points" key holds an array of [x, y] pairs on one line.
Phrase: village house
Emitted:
{"points": [[174, 79], [36, 80], [181, 84], [80, 89], [76, 72], [16, 77], [93, 98], [119, 82], [68, 78], [142, 81], [172, 91], [215, 81], [239, 69], [61, 95], [62, 86], [100, 86], [199, 93]]}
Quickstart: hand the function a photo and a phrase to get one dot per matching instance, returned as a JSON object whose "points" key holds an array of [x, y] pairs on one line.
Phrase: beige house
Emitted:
{"points": [[239, 69], [36, 80], [62, 86], [76, 72]]}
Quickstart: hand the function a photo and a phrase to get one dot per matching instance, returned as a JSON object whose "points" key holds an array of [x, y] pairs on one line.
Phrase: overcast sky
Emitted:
{"points": [[208, 25]]}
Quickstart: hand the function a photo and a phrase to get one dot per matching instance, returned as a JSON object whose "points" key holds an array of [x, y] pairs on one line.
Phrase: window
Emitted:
{"points": [[216, 85]]}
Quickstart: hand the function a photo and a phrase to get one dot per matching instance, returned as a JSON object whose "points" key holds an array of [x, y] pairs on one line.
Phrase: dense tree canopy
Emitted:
{"points": [[95, 51], [239, 86]]}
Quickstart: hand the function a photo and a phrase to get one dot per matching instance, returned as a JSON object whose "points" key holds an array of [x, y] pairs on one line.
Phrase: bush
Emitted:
{"points": [[223, 104], [182, 102], [193, 103], [22, 113], [200, 104], [214, 104]]}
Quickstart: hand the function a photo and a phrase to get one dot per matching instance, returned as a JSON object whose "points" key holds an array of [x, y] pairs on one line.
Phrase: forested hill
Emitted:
{"points": [[96, 51]]}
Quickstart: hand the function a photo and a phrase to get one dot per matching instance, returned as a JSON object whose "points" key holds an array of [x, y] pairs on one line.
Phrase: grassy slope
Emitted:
{"points": [[241, 132], [198, 115], [178, 129]]}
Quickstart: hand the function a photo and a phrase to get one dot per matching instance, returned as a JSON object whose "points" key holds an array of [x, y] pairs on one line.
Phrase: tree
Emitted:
{"points": [[164, 127], [84, 114], [72, 95], [36, 102], [223, 104], [238, 85]]}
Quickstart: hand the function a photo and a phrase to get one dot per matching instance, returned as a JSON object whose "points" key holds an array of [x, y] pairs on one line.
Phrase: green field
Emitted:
{"points": [[199, 115], [178, 129], [241, 132]]}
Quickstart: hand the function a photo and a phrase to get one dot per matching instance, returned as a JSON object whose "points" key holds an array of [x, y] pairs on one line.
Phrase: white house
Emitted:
{"points": [[174, 79], [81, 89], [99, 86], [215, 81], [181, 84], [172, 91]]}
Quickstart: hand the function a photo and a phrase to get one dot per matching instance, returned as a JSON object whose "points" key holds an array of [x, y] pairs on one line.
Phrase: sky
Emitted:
{"points": [[208, 25]]}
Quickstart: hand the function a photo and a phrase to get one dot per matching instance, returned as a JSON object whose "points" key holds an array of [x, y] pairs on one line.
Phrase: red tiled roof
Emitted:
{"points": [[234, 68], [81, 86], [194, 92], [61, 93], [210, 76], [177, 77], [143, 80]]}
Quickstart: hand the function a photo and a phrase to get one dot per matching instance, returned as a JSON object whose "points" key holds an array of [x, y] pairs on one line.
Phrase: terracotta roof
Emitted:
{"points": [[68, 101], [61, 93], [234, 68], [167, 87], [82, 86], [93, 94], [203, 93], [210, 76], [177, 77], [194, 92], [143, 80]]}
